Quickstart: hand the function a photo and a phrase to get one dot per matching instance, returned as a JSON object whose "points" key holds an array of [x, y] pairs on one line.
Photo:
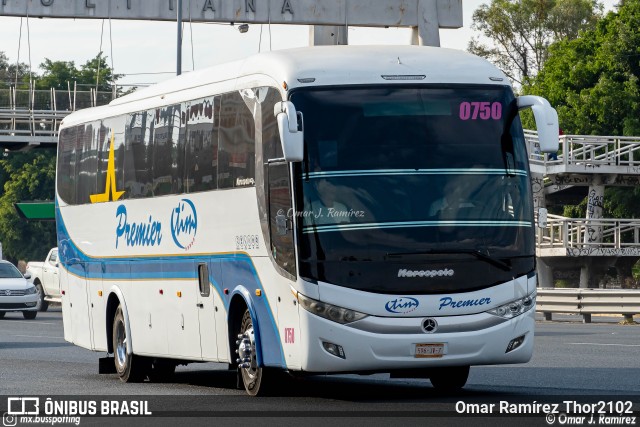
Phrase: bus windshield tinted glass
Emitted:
{"points": [[416, 177]]}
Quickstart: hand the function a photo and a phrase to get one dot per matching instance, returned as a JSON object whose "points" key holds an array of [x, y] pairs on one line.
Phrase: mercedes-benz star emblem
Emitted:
{"points": [[430, 325]]}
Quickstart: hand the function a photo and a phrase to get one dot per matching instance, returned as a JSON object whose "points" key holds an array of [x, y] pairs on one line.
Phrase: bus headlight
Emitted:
{"points": [[514, 308], [329, 311]]}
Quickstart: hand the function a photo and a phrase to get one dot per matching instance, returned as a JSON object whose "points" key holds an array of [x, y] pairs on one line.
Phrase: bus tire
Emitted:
{"points": [[130, 368], [253, 376], [44, 305], [449, 379]]}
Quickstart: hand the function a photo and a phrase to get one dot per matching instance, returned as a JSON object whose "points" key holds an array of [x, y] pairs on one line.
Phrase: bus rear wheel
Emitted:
{"points": [[449, 379], [130, 368]]}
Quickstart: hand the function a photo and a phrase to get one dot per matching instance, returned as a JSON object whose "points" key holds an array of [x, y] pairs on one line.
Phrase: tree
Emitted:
{"points": [[26, 176], [93, 73], [57, 75], [594, 83], [520, 31], [8, 73], [594, 80]]}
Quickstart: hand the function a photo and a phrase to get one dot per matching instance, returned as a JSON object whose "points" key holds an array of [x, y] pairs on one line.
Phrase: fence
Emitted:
{"points": [[564, 232], [587, 150], [587, 302]]}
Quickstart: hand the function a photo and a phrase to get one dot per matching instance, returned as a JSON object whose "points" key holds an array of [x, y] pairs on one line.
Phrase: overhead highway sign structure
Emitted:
{"points": [[424, 16]]}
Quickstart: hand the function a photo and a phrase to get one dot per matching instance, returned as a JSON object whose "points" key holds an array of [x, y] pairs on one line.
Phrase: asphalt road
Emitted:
{"points": [[572, 361]]}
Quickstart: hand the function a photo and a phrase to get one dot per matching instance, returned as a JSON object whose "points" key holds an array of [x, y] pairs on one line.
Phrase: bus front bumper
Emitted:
{"points": [[379, 344]]}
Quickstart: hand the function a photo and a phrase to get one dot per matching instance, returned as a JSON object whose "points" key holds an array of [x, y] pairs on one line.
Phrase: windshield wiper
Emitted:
{"points": [[482, 256]]}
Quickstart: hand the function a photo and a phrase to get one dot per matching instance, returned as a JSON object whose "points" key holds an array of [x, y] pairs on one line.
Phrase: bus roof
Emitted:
{"points": [[315, 66]]}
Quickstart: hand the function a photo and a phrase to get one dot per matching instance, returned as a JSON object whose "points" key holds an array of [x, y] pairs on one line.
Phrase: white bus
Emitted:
{"points": [[317, 210]]}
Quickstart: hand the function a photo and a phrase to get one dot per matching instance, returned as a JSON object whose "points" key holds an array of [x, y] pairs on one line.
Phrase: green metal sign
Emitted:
{"points": [[36, 211]]}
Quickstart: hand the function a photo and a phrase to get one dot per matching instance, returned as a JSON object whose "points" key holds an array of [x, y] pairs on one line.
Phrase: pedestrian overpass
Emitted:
{"points": [[31, 118], [584, 248]]}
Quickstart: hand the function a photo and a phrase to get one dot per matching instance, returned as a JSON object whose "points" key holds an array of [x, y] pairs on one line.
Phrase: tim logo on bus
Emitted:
{"points": [[402, 305], [184, 224]]}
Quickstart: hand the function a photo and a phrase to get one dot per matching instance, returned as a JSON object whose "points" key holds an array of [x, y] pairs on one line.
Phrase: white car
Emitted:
{"points": [[16, 292]]}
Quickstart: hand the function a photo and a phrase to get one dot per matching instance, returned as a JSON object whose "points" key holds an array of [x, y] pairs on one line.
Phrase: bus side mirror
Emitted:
{"points": [[546, 121], [542, 217], [291, 132]]}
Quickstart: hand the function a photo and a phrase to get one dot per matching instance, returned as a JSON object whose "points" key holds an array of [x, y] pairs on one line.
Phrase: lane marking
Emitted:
{"points": [[593, 343], [31, 322], [37, 336]]}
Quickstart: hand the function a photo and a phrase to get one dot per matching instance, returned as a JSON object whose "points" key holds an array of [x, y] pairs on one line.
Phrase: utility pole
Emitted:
{"points": [[179, 50]]}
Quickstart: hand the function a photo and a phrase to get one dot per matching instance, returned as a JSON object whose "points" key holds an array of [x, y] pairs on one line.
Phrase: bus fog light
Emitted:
{"points": [[515, 343], [334, 349]]}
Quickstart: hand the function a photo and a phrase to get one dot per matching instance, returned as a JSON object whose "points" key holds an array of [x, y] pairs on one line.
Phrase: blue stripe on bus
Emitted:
{"points": [[237, 269]]}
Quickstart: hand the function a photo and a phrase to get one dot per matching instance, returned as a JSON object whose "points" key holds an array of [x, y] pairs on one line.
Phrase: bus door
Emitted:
{"points": [[283, 254], [206, 306], [79, 306]]}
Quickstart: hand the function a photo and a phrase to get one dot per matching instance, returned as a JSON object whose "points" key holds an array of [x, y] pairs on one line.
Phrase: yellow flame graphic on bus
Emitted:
{"points": [[110, 187]]}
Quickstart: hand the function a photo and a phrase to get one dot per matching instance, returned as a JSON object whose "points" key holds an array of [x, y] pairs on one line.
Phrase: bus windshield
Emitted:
{"points": [[413, 189]]}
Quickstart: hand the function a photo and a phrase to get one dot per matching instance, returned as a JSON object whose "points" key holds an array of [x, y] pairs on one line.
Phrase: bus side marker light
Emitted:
{"points": [[258, 292], [179, 294], [161, 292], [99, 293], [226, 291]]}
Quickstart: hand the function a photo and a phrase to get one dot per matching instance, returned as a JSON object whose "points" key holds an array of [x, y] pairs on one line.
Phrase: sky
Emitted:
{"points": [[145, 51]]}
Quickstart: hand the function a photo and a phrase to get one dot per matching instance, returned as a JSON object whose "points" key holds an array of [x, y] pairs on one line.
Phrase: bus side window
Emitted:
{"points": [[236, 166]]}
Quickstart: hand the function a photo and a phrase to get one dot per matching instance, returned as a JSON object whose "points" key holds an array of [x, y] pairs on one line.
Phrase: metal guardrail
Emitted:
{"points": [[564, 232], [580, 150], [587, 302]]}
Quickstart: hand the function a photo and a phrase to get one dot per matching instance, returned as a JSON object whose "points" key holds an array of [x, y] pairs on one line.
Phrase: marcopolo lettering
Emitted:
{"points": [[450, 302], [447, 272]]}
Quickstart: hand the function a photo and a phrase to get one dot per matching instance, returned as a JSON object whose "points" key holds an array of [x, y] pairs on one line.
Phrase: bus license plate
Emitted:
{"points": [[429, 350]]}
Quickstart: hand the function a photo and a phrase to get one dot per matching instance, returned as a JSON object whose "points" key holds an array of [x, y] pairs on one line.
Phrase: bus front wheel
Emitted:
{"points": [[252, 375], [449, 379], [130, 368]]}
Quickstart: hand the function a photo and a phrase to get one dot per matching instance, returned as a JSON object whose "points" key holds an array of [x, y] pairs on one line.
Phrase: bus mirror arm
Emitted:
{"points": [[291, 131], [546, 121]]}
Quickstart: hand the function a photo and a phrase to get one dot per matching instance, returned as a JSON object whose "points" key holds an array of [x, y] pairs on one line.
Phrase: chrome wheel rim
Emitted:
{"points": [[248, 350], [121, 346]]}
